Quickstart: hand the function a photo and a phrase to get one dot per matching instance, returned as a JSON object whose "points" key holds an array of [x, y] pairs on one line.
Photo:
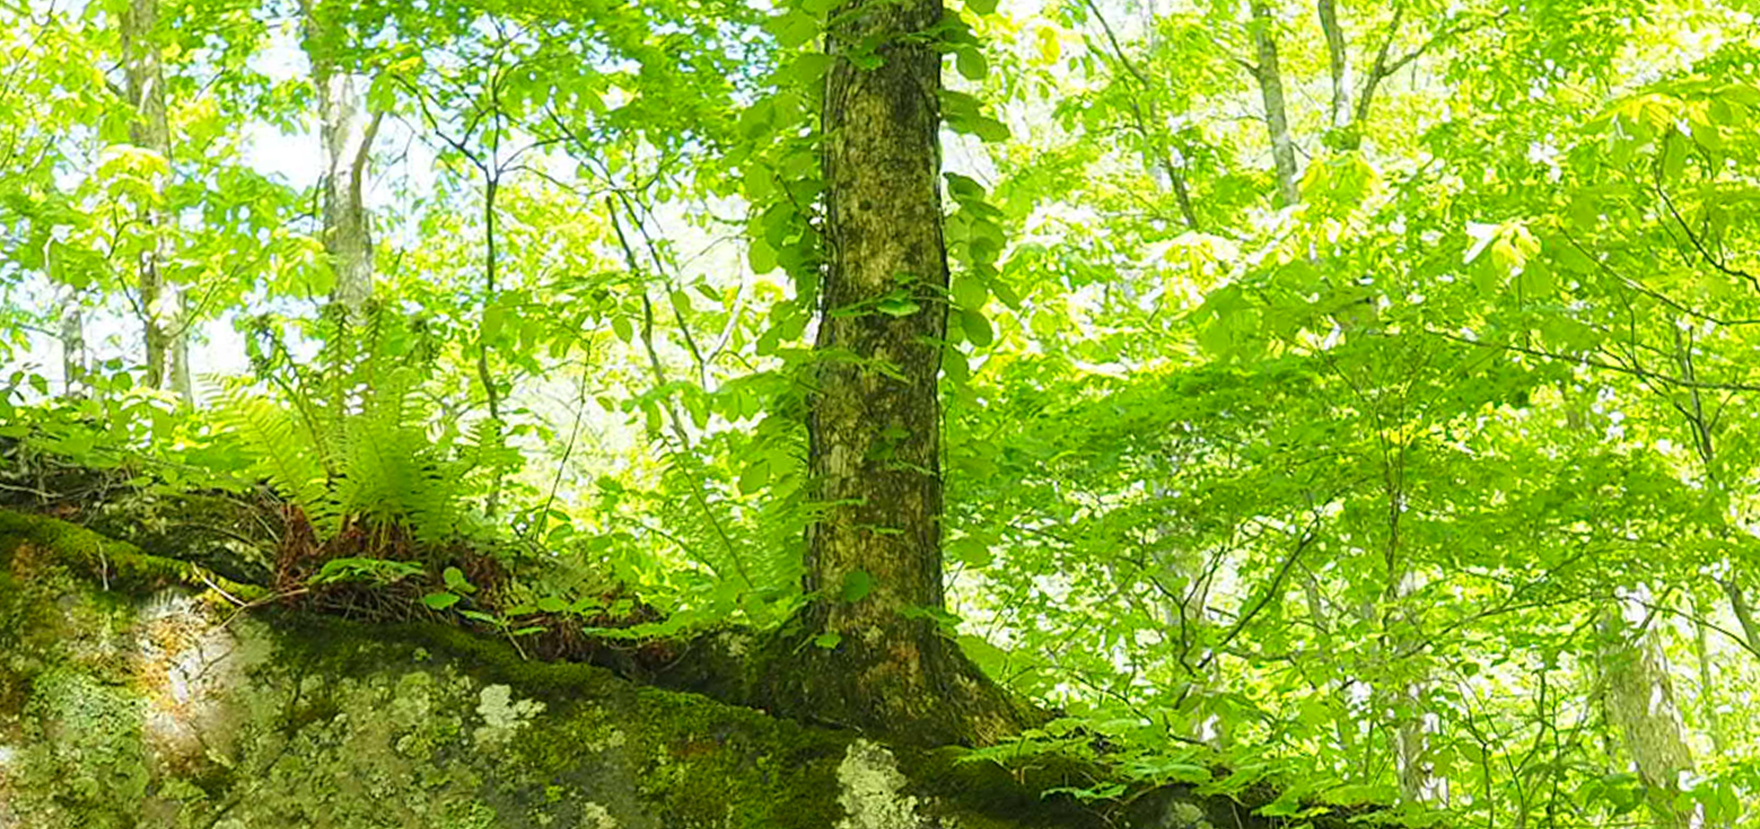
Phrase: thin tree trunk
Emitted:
{"points": [[1707, 698], [1641, 701], [72, 335], [1189, 621], [178, 328], [1339, 62], [150, 131], [1738, 603], [1144, 118], [1270, 77], [1418, 781], [491, 260], [347, 132], [1344, 726], [877, 659]]}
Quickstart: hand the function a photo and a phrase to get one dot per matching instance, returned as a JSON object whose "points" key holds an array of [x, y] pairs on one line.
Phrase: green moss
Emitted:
{"points": [[711, 765], [115, 564]]}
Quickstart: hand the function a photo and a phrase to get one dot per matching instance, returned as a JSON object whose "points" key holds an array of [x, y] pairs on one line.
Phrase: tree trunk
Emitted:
{"points": [[878, 659], [1713, 722], [347, 133], [152, 132], [1411, 719], [73, 343], [1339, 62], [1270, 77], [178, 325], [1641, 701]]}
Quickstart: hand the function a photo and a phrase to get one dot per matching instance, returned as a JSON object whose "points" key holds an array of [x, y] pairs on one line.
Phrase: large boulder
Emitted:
{"points": [[134, 692]]}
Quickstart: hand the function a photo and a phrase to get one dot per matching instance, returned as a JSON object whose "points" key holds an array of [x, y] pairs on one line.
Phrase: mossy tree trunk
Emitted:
{"points": [[874, 557], [1641, 702]]}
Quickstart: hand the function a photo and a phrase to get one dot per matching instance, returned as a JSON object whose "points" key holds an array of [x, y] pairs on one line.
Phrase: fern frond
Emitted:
{"points": [[285, 453]]}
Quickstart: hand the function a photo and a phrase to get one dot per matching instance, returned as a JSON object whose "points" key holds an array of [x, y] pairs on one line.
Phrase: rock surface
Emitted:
{"points": [[134, 694]]}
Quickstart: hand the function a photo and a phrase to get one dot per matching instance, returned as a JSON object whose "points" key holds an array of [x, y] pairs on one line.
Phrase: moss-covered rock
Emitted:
{"points": [[134, 694]]}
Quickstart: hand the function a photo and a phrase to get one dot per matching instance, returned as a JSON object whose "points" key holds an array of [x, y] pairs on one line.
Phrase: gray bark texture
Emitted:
{"points": [[1269, 74], [1338, 61], [346, 130], [72, 334]]}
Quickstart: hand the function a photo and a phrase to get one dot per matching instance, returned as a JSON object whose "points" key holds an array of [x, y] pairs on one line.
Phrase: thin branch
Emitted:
{"points": [[1175, 177], [1638, 371], [1705, 253], [1271, 590]]}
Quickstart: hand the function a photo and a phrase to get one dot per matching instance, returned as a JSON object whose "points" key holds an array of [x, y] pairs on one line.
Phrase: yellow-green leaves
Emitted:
{"points": [[1501, 251]]}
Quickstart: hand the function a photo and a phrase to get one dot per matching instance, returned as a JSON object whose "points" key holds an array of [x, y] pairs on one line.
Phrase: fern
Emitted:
{"points": [[749, 546], [347, 440], [286, 454]]}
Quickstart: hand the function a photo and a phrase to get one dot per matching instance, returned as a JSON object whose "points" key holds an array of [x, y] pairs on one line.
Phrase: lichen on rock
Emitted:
{"points": [[872, 790], [502, 715]]}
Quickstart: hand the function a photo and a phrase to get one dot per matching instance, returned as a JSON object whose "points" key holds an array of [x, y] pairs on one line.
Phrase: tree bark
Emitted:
{"points": [[72, 335], [878, 659], [1339, 62], [1641, 701], [1270, 77], [150, 131], [179, 324], [347, 132]]}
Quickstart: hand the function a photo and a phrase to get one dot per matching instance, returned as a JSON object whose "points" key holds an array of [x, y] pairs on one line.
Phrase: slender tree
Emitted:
{"points": [[346, 130], [1269, 73], [72, 334], [160, 302]]}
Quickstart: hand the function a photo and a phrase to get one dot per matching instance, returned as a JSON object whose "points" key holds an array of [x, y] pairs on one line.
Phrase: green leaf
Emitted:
{"points": [[990, 129], [494, 314], [761, 256], [440, 601], [977, 327], [552, 604], [754, 476], [857, 584], [971, 551], [455, 580], [793, 28], [827, 640], [981, 6], [970, 293], [971, 64], [898, 306], [809, 69]]}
